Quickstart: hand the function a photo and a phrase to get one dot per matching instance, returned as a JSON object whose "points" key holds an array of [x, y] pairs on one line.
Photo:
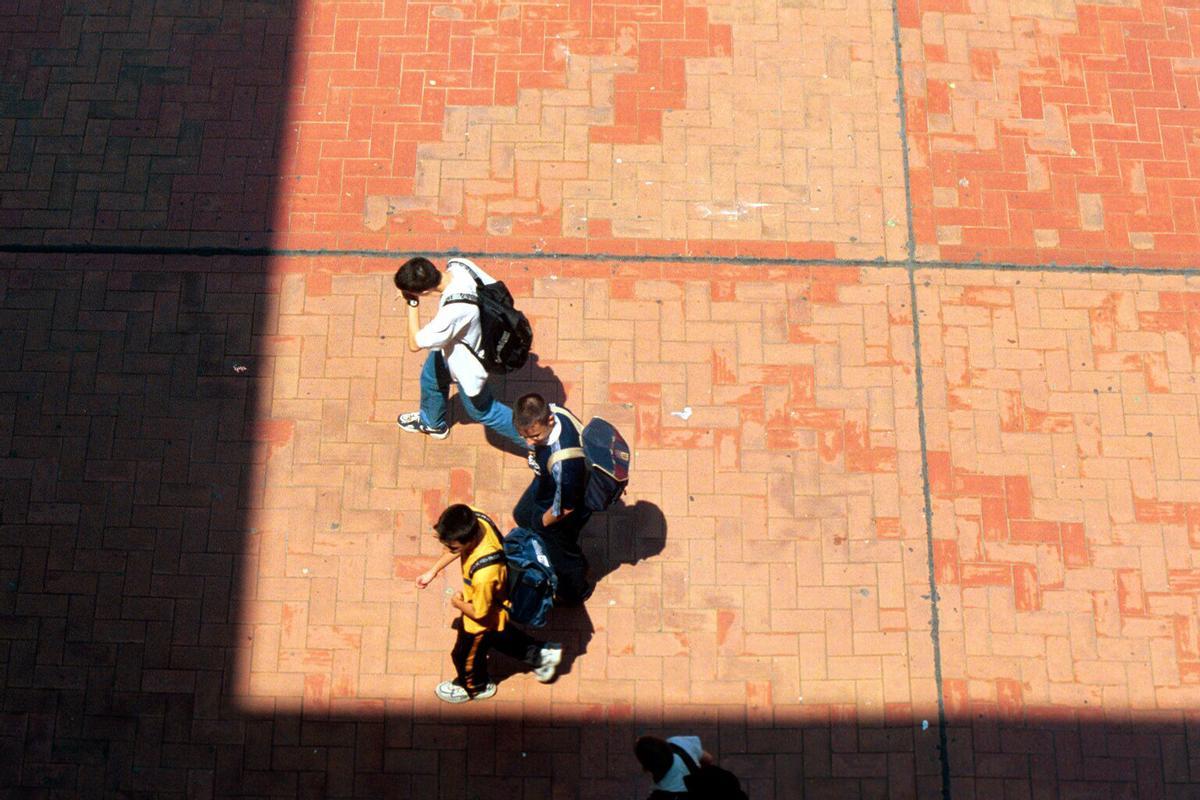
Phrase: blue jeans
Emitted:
{"points": [[482, 408]]}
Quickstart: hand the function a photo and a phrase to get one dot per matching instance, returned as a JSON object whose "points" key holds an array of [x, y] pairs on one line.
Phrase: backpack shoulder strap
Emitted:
{"points": [[684, 757], [473, 300], [468, 266], [566, 452], [567, 413], [488, 521], [491, 558], [563, 454]]}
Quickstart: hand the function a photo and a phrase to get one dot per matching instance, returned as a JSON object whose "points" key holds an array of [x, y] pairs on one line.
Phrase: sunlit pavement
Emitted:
{"points": [[911, 388]]}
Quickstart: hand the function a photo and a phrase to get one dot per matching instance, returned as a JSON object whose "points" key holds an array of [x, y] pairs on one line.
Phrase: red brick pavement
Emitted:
{"points": [[210, 522], [1036, 134], [657, 128], [1059, 408], [791, 392], [209, 568], [223, 617], [1054, 132]]}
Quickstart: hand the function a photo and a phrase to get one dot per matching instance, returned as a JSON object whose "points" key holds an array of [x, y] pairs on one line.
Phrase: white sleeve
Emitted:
{"points": [[446, 326]]}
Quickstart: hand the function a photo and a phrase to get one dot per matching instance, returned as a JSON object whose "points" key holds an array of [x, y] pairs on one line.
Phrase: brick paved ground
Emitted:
{"points": [[210, 523], [597, 126], [1054, 131]]}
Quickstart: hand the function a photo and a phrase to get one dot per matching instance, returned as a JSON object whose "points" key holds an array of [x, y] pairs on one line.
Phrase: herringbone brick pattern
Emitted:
{"points": [[125, 398], [210, 524], [1060, 410], [767, 558], [580, 126], [1054, 131], [140, 123], [251, 606]]}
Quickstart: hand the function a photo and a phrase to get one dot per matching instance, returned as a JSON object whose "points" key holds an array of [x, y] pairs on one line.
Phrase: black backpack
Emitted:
{"points": [[506, 335], [709, 782], [607, 456]]}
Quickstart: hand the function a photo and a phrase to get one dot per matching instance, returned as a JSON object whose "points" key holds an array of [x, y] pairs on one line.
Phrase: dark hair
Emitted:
{"points": [[528, 409], [655, 756], [458, 525], [417, 275]]}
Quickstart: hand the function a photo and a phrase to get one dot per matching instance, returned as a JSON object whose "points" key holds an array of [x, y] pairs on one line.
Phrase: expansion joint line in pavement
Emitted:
{"points": [[934, 616], [202, 251], [911, 267]]}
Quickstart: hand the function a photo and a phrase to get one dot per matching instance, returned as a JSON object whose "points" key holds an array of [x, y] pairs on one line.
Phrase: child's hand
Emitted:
{"points": [[425, 578]]}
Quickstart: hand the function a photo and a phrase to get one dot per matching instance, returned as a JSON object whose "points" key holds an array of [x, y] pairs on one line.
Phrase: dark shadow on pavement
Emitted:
{"points": [[139, 123], [535, 376], [570, 627], [624, 534]]}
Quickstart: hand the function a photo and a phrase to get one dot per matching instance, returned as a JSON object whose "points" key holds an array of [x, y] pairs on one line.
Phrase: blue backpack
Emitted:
{"points": [[606, 454], [531, 580]]}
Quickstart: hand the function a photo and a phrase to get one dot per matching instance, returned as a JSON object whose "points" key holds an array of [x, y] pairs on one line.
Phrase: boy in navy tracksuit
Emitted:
{"points": [[553, 504]]}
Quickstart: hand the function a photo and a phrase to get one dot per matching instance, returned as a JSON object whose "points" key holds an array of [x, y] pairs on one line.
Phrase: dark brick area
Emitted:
{"points": [[123, 449], [148, 122]]}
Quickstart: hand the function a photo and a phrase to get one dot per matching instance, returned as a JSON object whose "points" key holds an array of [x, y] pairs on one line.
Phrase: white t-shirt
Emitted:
{"points": [[673, 780], [456, 327]]}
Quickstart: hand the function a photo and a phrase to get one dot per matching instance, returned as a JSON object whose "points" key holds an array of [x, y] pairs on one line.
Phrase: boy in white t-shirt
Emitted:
{"points": [[452, 338], [665, 767]]}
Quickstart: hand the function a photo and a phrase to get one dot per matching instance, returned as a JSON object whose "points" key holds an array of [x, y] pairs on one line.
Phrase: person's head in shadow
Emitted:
{"points": [[625, 534], [535, 376]]}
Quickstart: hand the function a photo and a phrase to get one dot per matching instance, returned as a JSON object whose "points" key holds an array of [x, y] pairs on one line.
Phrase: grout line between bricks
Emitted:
{"points": [[848, 263], [934, 616], [910, 244], [911, 266]]}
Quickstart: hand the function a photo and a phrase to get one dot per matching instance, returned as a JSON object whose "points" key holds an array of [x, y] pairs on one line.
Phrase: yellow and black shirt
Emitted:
{"points": [[485, 590]]}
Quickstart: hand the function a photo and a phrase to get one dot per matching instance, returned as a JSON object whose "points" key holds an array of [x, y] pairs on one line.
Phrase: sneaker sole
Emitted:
{"points": [[459, 699], [431, 434], [452, 699], [557, 660]]}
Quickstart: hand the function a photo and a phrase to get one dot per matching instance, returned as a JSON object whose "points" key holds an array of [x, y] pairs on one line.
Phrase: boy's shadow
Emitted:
{"points": [[533, 377], [571, 627], [623, 534]]}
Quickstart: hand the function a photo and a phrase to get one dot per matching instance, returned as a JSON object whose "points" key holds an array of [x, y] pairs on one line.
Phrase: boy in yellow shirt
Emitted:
{"points": [[473, 539]]}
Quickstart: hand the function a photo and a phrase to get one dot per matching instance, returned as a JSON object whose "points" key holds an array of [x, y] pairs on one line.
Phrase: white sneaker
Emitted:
{"points": [[549, 657], [411, 422], [451, 692]]}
